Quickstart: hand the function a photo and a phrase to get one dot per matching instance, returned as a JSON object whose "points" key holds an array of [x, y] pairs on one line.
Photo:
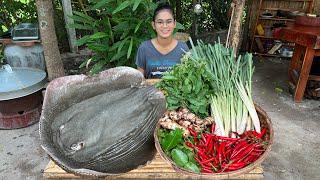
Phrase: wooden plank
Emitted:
{"points": [[156, 169], [304, 74], [314, 78], [67, 11]]}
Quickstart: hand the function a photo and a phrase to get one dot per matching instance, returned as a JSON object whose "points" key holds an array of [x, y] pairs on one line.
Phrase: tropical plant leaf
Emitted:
{"points": [[99, 35], [110, 29], [83, 40], [130, 48], [171, 139], [98, 47], [97, 67], [138, 26], [81, 26], [90, 19], [118, 55], [136, 4], [122, 44], [122, 6], [101, 3], [121, 26], [115, 46], [179, 26]]}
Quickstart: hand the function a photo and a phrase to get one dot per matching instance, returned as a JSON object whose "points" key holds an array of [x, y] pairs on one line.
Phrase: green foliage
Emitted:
{"points": [[173, 144], [213, 17], [118, 28], [179, 157], [185, 87], [170, 139], [14, 12], [192, 167]]}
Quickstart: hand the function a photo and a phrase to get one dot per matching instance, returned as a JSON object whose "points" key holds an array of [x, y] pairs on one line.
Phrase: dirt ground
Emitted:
{"points": [[295, 153]]}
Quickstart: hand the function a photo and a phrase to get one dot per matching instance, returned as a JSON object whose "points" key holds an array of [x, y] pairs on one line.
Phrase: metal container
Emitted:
{"points": [[20, 96], [20, 81], [25, 31], [25, 56]]}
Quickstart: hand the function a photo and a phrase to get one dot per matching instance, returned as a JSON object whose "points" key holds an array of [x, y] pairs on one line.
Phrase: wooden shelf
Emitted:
{"points": [[283, 9], [276, 19], [283, 44], [286, 5], [269, 55], [264, 37], [294, 0]]}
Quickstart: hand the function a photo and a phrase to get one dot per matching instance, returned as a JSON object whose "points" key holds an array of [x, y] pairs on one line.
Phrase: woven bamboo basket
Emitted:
{"points": [[265, 123]]}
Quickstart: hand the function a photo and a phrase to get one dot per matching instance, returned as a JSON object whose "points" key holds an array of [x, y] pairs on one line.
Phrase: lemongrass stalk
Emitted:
{"points": [[217, 117], [250, 106]]}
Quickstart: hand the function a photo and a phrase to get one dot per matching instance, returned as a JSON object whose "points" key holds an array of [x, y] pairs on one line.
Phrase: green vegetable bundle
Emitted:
{"points": [[231, 106], [189, 85]]}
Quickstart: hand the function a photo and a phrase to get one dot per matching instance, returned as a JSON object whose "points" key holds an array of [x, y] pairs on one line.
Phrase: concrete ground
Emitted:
{"points": [[295, 153]]}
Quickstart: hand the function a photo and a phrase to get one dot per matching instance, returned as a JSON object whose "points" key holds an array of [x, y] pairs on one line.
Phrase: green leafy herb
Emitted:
{"points": [[171, 139], [192, 167], [179, 157], [188, 85]]}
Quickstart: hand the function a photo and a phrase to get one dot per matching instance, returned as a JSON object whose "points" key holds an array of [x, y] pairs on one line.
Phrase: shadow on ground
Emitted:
{"points": [[295, 153]]}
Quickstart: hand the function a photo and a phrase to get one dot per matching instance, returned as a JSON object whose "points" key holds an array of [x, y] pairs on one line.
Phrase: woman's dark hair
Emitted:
{"points": [[163, 6]]}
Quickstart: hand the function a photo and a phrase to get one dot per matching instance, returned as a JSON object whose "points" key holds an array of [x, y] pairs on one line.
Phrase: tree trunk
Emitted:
{"points": [[49, 39], [236, 25]]}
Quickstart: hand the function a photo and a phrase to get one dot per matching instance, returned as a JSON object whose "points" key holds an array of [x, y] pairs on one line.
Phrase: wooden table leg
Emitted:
{"points": [[304, 74], [294, 64]]}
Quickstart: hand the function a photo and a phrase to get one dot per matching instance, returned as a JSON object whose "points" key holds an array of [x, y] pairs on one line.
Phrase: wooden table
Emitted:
{"points": [[307, 45], [7, 41], [157, 169]]}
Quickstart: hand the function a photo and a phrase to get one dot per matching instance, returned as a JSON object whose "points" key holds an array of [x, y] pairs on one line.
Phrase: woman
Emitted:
{"points": [[158, 55]]}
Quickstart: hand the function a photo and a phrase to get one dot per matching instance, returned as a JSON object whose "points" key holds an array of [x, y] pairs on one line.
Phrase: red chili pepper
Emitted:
{"points": [[213, 128], [242, 154], [204, 139], [193, 132], [227, 138], [263, 132], [240, 145], [236, 166], [206, 170], [208, 160], [208, 141], [235, 153], [189, 144]]}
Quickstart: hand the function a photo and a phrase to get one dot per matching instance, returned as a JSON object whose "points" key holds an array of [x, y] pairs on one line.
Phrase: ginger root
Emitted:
{"points": [[184, 119]]}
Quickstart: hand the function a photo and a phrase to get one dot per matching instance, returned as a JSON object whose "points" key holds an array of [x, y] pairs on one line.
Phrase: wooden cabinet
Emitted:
{"points": [[270, 15]]}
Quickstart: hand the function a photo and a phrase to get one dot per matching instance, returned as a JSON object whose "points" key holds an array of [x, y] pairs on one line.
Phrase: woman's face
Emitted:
{"points": [[164, 24]]}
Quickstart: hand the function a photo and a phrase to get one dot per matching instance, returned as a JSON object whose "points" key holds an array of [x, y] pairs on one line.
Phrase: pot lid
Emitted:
{"points": [[20, 81]]}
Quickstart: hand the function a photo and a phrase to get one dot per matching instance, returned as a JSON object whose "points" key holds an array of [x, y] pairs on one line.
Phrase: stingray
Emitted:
{"points": [[100, 125]]}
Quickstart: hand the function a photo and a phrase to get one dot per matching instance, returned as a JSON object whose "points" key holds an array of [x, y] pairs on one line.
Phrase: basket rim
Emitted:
{"points": [[228, 174]]}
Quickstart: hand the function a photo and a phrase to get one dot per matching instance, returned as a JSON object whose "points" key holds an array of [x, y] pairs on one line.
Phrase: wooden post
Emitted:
{"points": [[67, 11], [49, 39], [235, 30]]}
